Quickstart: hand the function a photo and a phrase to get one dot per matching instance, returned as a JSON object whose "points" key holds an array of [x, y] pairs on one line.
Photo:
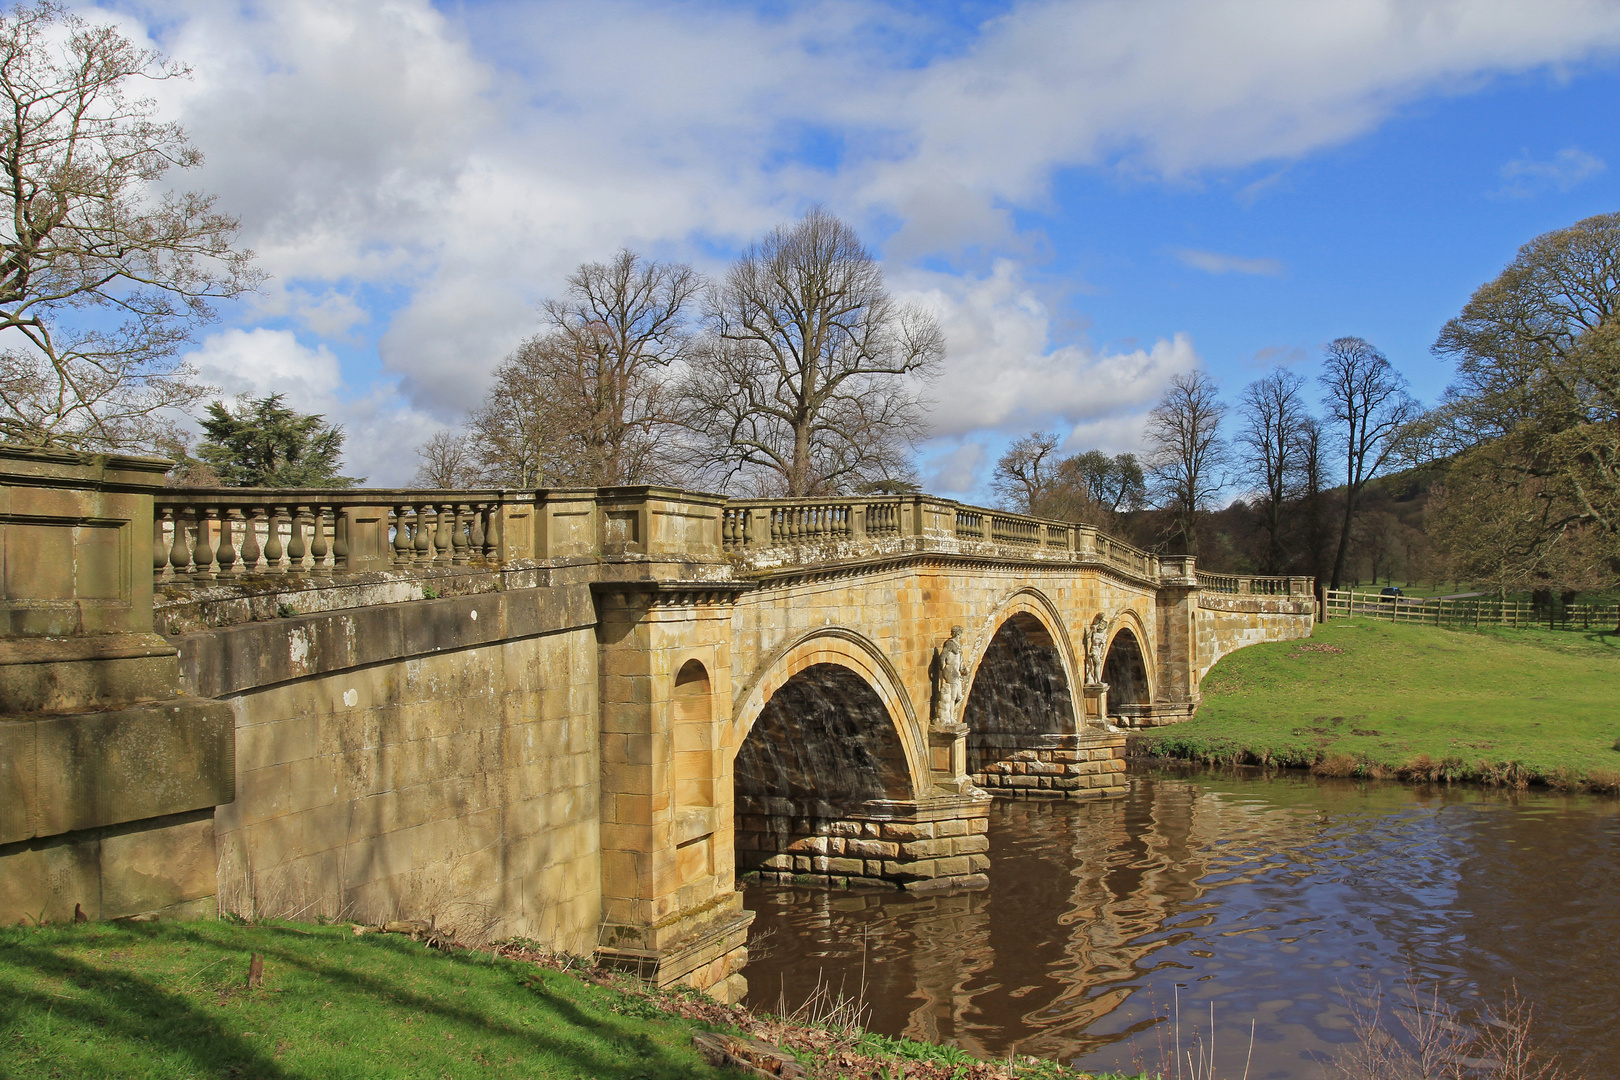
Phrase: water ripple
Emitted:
{"points": [[1268, 898]]}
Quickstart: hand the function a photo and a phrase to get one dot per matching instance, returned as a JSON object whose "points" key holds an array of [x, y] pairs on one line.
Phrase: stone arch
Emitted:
{"points": [[1039, 607], [821, 747], [1023, 694], [857, 654], [1128, 670]]}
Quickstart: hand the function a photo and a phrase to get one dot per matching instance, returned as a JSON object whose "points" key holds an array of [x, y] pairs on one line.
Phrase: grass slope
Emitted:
{"points": [[169, 1000], [1370, 698]]}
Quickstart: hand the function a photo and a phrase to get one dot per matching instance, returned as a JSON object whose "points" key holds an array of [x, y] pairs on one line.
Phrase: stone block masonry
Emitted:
{"points": [[938, 843], [1061, 766], [460, 786]]}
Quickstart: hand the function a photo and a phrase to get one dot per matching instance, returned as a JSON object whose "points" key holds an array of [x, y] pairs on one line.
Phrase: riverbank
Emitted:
{"points": [[1368, 698], [189, 1000]]}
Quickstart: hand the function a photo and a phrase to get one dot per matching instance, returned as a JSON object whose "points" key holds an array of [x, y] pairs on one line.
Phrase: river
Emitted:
{"points": [[1274, 899]]}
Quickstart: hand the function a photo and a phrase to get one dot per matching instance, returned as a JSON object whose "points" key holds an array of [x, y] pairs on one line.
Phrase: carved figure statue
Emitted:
{"points": [[949, 679], [1096, 648]]}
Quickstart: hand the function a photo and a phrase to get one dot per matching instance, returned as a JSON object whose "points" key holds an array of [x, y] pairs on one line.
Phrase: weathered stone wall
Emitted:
{"points": [[108, 776], [457, 781], [932, 844], [1227, 623]]}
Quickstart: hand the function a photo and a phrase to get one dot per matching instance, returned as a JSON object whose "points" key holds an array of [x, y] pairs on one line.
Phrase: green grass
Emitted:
{"points": [[169, 1000], [1498, 705]]}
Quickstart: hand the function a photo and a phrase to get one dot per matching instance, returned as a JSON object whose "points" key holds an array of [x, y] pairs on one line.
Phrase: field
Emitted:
{"points": [[1364, 697]]}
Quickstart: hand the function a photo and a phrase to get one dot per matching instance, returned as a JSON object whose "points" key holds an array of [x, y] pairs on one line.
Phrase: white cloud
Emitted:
{"points": [[1212, 262], [428, 174], [957, 471], [260, 362], [1525, 176], [381, 431], [1003, 372]]}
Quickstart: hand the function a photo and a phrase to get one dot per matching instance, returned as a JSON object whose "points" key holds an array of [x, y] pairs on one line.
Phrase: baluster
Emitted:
{"points": [[441, 535], [340, 541], [318, 546], [295, 540], [273, 551], [227, 553], [160, 546], [495, 536], [475, 533], [458, 535], [425, 521], [202, 547], [250, 540], [728, 523], [180, 551], [402, 537]]}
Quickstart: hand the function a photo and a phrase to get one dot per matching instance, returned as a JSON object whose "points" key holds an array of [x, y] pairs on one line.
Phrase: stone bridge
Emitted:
{"points": [[573, 716]]}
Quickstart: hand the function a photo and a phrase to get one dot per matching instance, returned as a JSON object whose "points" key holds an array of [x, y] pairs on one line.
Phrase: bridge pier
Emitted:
{"points": [[916, 844], [1078, 766]]}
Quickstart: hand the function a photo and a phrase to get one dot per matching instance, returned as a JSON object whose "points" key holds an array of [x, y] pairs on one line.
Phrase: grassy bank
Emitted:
{"points": [[172, 1000], [1369, 698]]}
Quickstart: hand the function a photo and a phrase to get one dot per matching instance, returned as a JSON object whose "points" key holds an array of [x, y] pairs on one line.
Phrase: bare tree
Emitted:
{"points": [[1270, 451], [1025, 471], [1367, 398], [1313, 472], [620, 325], [584, 403], [446, 461], [101, 279], [808, 382], [512, 431], [1185, 453]]}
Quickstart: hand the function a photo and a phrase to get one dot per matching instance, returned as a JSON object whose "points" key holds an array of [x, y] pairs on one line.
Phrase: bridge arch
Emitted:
{"points": [[855, 654], [823, 738], [1023, 692], [1038, 608], [1128, 667]]}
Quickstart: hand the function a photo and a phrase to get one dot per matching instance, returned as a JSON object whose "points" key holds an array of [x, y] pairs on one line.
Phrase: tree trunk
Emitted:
{"points": [[1344, 536], [799, 477]]}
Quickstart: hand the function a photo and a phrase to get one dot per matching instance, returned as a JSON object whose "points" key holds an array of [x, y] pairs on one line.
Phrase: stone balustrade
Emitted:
{"points": [[215, 535], [1247, 585], [218, 534]]}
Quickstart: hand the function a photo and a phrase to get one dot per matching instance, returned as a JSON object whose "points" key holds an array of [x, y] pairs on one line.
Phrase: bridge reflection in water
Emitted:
{"points": [[1263, 898]]}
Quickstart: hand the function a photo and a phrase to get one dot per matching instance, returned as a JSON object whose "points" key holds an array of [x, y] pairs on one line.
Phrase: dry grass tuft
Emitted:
{"points": [[1438, 1045]]}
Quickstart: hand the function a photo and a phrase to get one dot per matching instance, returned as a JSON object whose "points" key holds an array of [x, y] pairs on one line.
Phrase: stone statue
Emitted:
{"points": [[1096, 648], [950, 678]]}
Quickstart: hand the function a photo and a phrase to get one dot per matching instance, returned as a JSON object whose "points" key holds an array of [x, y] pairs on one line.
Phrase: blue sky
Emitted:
{"points": [[1094, 196]]}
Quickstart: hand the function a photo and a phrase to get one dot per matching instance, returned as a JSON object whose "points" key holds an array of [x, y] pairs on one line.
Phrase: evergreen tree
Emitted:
{"points": [[263, 443]]}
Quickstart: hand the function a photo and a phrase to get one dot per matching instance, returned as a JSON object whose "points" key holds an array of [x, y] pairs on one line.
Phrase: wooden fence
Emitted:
{"points": [[1469, 611]]}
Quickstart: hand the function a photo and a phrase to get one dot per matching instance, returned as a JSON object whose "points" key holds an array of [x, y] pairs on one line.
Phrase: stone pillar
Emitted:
{"points": [[1096, 695], [1177, 654], [670, 911], [1086, 765], [947, 749], [108, 776]]}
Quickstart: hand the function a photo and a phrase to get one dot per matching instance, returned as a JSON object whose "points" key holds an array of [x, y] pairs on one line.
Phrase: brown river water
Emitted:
{"points": [[1272, 899]]}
